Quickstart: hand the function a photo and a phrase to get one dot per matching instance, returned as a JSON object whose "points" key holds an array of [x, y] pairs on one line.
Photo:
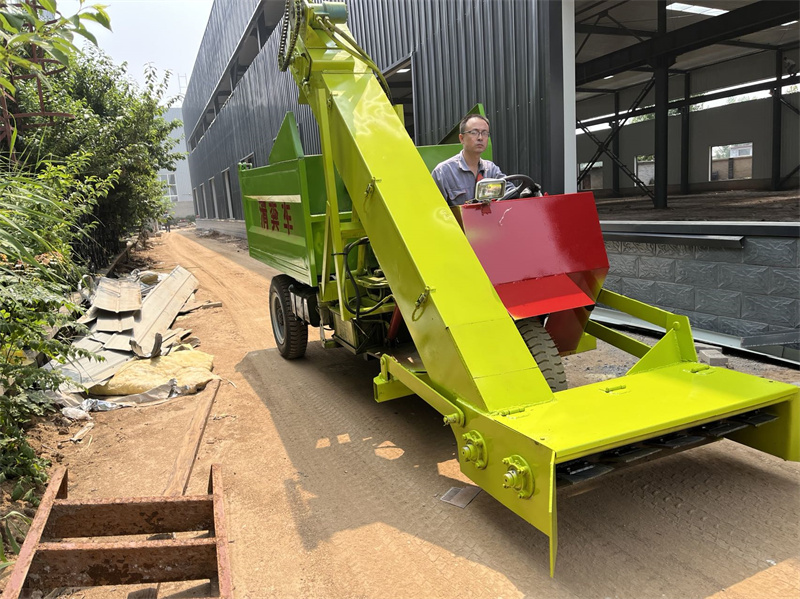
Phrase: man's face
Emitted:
{"points": [[475, 142]]}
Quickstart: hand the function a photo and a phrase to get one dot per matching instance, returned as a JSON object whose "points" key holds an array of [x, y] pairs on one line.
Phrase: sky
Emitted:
{"points": [[166, 33]]}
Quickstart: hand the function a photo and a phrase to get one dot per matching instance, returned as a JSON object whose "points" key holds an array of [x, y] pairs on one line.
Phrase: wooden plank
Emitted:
{"points": [[142, 515], [220, 531], [57, 487], [140, 562], [116, 295], [184, 461], [191, 307], [159, 310]]}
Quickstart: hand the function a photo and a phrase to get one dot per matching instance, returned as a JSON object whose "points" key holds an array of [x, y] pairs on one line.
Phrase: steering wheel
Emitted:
{"points": [[524, 182]]}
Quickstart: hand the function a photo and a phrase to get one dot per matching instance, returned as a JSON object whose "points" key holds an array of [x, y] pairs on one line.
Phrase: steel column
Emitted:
{"points": [[615, 147], [662, 114], [687, 88], [776, 122]]}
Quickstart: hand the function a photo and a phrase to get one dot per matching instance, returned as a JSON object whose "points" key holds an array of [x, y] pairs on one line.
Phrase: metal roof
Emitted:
{"points": [[615, 40]]}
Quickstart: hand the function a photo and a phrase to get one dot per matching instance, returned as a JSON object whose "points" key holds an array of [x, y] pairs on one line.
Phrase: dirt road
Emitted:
{"points": [[330, 494]]}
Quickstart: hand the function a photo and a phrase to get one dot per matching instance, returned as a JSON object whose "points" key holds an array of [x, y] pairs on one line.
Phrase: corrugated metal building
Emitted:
{"points": [[505, 54]]}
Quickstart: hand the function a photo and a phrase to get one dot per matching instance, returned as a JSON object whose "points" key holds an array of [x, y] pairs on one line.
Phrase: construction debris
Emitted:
{"points": [[117, 295], [712, 357], [116, 329], [78, 437], [199, 306], [191, 369], [159, 310]]}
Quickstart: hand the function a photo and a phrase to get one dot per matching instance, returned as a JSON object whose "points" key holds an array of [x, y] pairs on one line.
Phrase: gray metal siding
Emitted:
{"points": [[225, 27], [502, 53], [247, 125]]}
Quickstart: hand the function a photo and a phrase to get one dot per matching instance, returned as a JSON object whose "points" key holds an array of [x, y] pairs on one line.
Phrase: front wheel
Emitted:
{"points": [[544, 351], [291, 334]]}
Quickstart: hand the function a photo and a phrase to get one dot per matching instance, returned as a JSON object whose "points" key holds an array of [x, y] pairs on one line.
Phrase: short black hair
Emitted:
{"points": [[463, 123]]}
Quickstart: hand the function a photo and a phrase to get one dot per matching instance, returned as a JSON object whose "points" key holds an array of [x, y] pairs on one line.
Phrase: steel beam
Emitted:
{"points": [[736, 23], [602, 147], [696, 100], [789, 176], [606, 30]]}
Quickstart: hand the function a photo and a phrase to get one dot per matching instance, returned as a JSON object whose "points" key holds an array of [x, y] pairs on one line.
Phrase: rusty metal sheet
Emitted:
{"points": [[138, 562], [116, 295], [159, 310], [145, 515]]}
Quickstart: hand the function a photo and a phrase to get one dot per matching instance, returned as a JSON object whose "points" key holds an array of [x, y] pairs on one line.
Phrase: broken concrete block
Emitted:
{"points": [[712, 357]]}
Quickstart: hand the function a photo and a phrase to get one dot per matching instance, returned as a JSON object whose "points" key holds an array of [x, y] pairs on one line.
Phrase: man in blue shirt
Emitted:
{"points": [[457, 176]]}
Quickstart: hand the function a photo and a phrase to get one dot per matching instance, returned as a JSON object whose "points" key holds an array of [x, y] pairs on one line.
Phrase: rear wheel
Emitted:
{"points": [[544, 351], [291, 334]]}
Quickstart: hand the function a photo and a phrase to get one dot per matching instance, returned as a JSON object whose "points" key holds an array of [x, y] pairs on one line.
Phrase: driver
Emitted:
{"points": [[457, 176]]}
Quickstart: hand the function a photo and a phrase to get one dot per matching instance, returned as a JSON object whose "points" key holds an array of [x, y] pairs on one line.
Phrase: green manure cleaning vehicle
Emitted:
{"points": [[472, 308]]}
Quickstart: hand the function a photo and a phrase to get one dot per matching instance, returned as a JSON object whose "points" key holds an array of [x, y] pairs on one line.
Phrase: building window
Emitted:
{"points": [[249, 160], [594, 178], [645, 168], [170, 186], [734, 161], [194, 202]]}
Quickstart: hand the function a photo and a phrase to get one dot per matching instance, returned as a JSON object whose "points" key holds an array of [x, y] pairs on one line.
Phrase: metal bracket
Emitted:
{"points": [[474, 449], [518, 476]]}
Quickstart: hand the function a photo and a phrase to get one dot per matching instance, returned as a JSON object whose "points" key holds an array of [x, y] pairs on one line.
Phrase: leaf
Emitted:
{"points": [[6, 25], [49, 5], [12, 542], [99, 18], [15, 21], [5, 83], [87, 34], [60, 56], [18, 492]]}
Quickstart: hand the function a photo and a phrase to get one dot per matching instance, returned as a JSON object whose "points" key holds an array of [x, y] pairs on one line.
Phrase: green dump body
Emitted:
{"points": [[284, 203], [284, 211]]}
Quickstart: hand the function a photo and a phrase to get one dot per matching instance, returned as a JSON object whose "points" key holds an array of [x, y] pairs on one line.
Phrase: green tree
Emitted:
{"points": [[41, 203], [22, 25], [38, 213], [121, 127]]}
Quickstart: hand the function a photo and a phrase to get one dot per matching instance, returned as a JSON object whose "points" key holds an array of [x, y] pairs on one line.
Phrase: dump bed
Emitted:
{"points": [[286, 228]]}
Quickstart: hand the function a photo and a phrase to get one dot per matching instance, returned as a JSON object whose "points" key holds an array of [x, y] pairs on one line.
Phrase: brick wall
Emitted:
{"points": [[752, 290]]}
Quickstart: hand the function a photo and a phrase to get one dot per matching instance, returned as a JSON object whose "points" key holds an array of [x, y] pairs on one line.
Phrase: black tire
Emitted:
{"points": [[291, 333], [544, 351]]}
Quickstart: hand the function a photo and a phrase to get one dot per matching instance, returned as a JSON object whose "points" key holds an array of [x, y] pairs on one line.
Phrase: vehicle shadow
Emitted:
{"points": [[689, 525]]}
